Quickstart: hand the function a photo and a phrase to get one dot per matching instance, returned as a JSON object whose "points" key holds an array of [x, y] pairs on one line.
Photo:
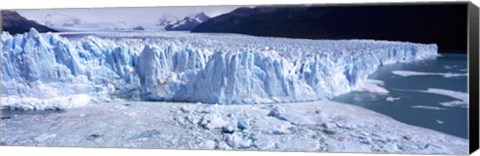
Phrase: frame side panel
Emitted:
{"points": [[473, 55]]}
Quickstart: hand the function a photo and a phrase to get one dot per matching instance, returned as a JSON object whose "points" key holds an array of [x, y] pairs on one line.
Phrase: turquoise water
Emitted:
{"points": [[450, 120]]}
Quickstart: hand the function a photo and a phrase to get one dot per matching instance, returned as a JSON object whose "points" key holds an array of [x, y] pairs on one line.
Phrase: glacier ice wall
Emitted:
{"points": [[208, 68]]}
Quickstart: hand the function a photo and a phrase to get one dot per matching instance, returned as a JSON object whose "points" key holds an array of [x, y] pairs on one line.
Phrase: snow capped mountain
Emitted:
{"points": [[188, 23], [166, 20], [64, 22], [42, 71], [58, 20], [67, 23]]}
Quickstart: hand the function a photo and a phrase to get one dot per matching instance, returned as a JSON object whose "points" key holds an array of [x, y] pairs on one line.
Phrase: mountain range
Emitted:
{"points": [[444, 25], [65, 22], [57, 21], [188, 23]]}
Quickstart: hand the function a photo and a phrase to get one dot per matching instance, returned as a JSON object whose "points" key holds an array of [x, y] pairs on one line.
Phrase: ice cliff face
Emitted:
{"points": [[208, 68]]}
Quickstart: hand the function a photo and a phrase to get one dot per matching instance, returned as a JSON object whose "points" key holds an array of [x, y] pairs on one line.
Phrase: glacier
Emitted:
{"points": [[48, 71]]}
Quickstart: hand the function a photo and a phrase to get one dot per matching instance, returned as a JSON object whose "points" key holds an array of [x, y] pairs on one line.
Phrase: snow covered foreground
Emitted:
{"points": [[311, 126], [44, 71]]}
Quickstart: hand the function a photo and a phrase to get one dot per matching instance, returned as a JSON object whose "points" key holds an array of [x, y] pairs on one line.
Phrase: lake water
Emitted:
{"points": [[404, 103]]}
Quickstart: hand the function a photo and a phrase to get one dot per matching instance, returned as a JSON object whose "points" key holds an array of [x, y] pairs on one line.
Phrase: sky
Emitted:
{"points": [[129, 15]]}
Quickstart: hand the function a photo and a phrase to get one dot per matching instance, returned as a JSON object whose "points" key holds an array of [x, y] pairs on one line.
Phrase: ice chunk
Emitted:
{"points": [[391, 147], [208, 144], [242, 124], [290, 116], [237, 141], [264, 142], [229, 128], [300, 144], [347, 146], [213, 121], [273, 125]]}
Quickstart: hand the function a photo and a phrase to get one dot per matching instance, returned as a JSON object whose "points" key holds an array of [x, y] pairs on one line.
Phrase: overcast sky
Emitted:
{"points": [[129, 15]]}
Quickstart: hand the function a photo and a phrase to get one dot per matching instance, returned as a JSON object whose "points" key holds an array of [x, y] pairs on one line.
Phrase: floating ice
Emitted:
{"points": [[454, 94], [207, 68], [392, 99], [428, 107], [454, 104], [414, 73], [463, 97], [439, 121], [372, 86]]}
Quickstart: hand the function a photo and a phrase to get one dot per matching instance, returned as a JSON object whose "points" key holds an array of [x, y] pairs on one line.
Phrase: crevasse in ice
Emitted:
{"points": [[43, 71]]}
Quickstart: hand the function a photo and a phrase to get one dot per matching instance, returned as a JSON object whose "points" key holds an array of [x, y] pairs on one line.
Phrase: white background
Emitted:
{"points": [[32, 4]]}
